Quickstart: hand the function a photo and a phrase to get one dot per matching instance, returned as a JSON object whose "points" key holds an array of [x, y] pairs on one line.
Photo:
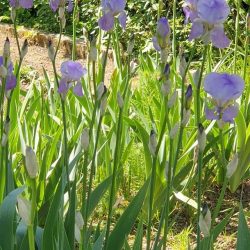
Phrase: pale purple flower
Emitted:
{"points": [[224, 90], [11, 80], [160, 40], [26, 4], [207, 18], [54, 4], [71, 72], [112, 9]]}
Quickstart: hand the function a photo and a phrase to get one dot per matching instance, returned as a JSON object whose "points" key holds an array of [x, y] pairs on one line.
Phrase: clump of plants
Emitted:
{"points": [[75, 142]]}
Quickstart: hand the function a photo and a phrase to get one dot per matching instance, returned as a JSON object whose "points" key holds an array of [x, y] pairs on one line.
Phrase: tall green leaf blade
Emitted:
{"points": [[7, 215], [127, 220], [98, 193], [243, 237]]}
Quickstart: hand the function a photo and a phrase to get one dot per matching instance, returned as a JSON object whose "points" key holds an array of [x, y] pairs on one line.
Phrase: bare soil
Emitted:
{"points": [[37, 57]]}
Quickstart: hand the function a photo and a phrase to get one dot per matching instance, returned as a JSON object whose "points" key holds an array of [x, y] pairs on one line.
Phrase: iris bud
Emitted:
{"points": [[24, 49], [186, 117], [172, 99], [188, 97], [166, 87], [201, 138], [6, 49], [31, 163], [131, 44], [152, 142], [13, 14], [93, 51], [3, 72], [51, 51], [174, 130], [120, 100], [24, 209], [100, 91], [103, 105], [205, 220], [85, 139], [232, 166]]}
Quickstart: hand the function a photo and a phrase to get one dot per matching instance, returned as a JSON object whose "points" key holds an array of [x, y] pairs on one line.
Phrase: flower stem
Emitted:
{"points": [[32, 215], [174, 34], [236, 34], [75, 12], [199, 168], [152, 182], [92, 169], [116, 156], [200, 155]]}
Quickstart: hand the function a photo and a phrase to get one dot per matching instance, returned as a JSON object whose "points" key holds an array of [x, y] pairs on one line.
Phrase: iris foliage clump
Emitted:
{"points": [[91, 163]]}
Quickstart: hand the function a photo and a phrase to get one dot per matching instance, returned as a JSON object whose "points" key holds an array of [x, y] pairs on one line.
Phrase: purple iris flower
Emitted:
{"points": [[224, 90], [55, 4], [71, 72], [10, 78], [207, 18], [160, 40], [111, 9], [26, 4]]}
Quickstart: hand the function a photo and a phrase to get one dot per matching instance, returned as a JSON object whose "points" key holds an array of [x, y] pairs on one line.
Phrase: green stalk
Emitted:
{"points": [[85, 200], [116, 157], [236, 34], [74, 30], [32, 215], [165, 210], [167, 201], [199, 166], [174, 35], [219, 202], [200, 155], [116, 163], [198, 90], [92, 169], [106, 57], [16, 37], [152, 182], [65, 158], [245, 60], [182, 110]]}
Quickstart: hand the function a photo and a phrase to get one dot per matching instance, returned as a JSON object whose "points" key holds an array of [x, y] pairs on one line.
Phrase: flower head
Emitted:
{"points": [[11, 80], [207, 18], [72, 72], [224, 90], [55, 4], [26, 4], [111, 9], [160, 40]]}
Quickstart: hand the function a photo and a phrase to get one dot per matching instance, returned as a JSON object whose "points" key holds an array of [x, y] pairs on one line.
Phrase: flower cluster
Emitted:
{"points": [[207, 18], [112, 9], [224, 90], [6, 69], [26, 4], [71, 73]]}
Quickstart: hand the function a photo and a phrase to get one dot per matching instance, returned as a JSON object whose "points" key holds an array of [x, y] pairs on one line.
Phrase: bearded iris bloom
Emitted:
{"points": [[224, 89], [161, 39], [10, 77], [26, 4], [71, 73], [55, 4], [112, 9], [207, 18]]}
